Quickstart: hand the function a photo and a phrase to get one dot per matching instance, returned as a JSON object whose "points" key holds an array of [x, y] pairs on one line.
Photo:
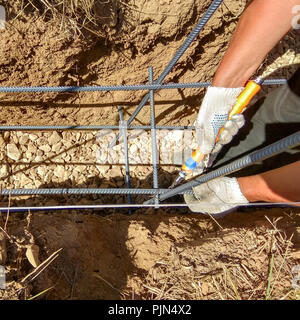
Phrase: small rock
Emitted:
{"points": [[48, 177], [39, 153], [41, 141], [101, 156], [33, 137], [56, 147], [67, 158], [46, 148], [102, 169], [25, 180], [37, 183], [13, 152], [47, 134], [204, 288], [28, 154], [95, 147], [67, 144], [115, 172], [24, 139], [31, 147], [3, 171], [42, 171], [59, 172], [89, 136], [153, 29], [80, 168], [22, 148], [66, 135], [78, 135], [15, 139], [75, 175], [38, 159], [54, 138], [32, 254], [2, 141], [133, 149]]}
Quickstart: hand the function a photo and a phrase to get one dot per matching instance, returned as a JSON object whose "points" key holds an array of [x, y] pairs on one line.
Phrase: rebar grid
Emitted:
{"points": [[124, 125]]}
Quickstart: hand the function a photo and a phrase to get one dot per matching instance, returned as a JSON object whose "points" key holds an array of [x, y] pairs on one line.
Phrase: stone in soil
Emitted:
{"points": [[24, 139], [59, 172], [46, 148], [13, 152], [54, 138], [3, 171]]}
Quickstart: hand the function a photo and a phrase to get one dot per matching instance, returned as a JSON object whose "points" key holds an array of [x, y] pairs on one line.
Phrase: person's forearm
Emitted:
{"points": [[279, 185], [259, 29]]}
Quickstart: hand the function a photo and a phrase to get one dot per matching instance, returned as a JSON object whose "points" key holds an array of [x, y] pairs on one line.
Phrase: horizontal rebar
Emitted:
{"points": [[91, 127], [136, 206], [106, 88], [267, 152], [122, 87], [82, 191], [178, 54]]}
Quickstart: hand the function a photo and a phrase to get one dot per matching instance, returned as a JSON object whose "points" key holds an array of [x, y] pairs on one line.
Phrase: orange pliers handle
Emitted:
{"points": [[251, 89]]}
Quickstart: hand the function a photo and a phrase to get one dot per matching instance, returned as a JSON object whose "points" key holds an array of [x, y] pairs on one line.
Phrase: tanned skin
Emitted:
{"points": [[261, 27]]}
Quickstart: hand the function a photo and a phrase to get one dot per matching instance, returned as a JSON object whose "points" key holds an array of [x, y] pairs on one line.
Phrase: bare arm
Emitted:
{"points": [[279, 185], [260, 28]]}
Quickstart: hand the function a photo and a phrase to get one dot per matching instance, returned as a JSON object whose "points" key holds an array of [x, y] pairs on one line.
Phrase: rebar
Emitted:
{"points": [[82, 191], [243, 162], [200, 25], [153, 136], [133, 206], [93, 128], [134, 87], [123, 127], [159, 194]]}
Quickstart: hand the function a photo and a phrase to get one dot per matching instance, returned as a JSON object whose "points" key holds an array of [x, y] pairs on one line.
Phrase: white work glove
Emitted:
{"points": [[216, 197], [213, 114]]}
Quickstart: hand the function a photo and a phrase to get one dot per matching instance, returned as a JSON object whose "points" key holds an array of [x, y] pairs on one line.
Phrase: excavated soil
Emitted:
{"points": [[108, 254]]}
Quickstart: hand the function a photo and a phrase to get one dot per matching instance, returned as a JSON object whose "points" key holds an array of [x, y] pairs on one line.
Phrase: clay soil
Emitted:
{"points": [[150, 254]]}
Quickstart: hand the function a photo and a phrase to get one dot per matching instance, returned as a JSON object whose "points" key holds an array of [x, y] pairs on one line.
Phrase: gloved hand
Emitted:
{"points": [[213, 114], [217, 197], [231, 128]]}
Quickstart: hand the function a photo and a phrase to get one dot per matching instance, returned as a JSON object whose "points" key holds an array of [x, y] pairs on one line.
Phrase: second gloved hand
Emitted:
{"points": [[216, 197]]}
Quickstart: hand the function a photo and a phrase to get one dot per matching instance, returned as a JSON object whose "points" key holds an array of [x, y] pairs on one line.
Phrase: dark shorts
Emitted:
{"points": [[270, 119]]}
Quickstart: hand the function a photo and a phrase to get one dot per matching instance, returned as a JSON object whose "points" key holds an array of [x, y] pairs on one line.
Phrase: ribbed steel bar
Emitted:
{"points": [[192, 36], [135, 87], [82, 191], [205, 84], [259, 155], [45, 128], [153, 136], [123, 129], [133, 206]]}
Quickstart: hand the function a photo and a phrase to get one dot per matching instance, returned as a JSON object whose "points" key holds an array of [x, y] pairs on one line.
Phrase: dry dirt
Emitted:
{"points": [[163, 254]]}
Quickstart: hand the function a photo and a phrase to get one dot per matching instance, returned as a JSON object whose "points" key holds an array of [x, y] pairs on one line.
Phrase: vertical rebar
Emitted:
{"points": [[153, 136], [191, 37], [123, 131]]}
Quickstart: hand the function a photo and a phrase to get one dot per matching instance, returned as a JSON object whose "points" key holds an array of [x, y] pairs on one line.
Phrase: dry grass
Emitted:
{"points": [[75, 16], [229, 278]]}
